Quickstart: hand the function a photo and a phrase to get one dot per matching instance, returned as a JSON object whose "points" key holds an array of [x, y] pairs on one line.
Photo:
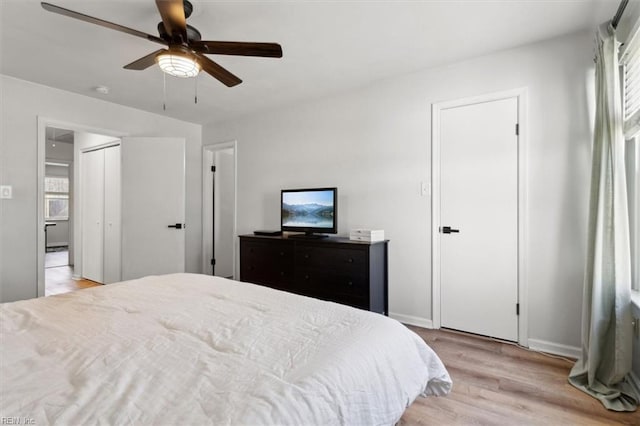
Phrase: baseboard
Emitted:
{"points": [[411, 320], [536, 345], [555, 348]]}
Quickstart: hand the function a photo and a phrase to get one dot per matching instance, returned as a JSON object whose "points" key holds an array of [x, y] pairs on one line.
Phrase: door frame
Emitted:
{"points": [[521, 95], [208, 152], [42, 124]]}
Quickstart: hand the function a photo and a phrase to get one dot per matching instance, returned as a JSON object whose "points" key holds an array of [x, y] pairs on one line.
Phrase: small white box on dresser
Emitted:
{"points": [[370, 235]]}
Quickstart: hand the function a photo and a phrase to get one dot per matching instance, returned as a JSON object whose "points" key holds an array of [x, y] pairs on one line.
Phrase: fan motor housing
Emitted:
{"points": [[192, 33]]}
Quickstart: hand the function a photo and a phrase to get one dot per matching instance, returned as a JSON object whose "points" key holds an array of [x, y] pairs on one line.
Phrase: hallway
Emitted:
{"points": [[58, 274]]}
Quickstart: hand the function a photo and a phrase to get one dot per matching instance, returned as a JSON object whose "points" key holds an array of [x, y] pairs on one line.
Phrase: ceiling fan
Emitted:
{"points": [[184, 55]]}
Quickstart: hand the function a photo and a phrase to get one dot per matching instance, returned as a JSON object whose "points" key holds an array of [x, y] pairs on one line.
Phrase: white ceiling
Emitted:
{"points": [[329, 46]]}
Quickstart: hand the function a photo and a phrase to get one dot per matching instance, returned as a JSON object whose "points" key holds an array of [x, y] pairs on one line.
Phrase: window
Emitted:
{"points": [[630, 62], [632, 154], [56, 198]]}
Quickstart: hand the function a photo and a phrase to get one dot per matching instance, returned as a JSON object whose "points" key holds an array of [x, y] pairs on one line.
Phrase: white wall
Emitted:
{"points": [[55, 170], [21, 103], [374, 145], [62, 151], [629, 20]]}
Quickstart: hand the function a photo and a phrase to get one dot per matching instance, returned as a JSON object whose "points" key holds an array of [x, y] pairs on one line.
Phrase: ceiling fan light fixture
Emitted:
{"points": [[178, 64], [186, 52]]}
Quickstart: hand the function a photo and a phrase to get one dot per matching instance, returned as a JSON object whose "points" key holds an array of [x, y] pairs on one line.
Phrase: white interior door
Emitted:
{"points": [[219, 210], [224, 213], [479, 198], [153, 198], [92, 177], [112, 226]]}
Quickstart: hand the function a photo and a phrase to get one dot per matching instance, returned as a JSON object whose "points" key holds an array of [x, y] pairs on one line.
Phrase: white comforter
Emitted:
{"points": [[192, 349]]}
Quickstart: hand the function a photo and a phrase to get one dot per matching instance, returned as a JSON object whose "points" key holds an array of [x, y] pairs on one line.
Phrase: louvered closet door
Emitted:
{"points": [[92, 200]]}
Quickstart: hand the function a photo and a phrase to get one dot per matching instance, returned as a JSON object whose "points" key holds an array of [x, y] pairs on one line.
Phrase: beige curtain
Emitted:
{"points": [[603, 369]]}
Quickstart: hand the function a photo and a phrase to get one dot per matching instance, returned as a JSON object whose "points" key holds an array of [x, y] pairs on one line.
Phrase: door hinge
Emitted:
{"points": [[517, 309], [517, 129], [213, 262], [213, 169]]}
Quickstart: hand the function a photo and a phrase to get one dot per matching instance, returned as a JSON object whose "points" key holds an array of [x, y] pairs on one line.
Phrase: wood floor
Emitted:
{"points": [[496, 383], [58, 279]]}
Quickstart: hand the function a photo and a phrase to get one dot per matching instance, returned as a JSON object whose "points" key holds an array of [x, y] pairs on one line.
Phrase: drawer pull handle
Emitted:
{"points": [[350, 260], [306, 277], [306, 256], [350, 283], [281, 253]]}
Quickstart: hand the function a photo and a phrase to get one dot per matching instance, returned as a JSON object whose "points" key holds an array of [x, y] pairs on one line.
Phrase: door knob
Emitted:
{"points": [[177, 226], [448, 230]]}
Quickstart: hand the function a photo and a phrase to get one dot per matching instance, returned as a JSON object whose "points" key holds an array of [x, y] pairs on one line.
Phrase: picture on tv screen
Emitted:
{"points": [[308, 209]]}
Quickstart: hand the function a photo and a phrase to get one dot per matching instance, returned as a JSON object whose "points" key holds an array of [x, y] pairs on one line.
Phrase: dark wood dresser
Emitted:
{"points": [[354, 273]]}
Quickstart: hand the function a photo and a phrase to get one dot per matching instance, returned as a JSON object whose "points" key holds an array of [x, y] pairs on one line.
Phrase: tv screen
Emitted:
{"points": [[309, 210]]}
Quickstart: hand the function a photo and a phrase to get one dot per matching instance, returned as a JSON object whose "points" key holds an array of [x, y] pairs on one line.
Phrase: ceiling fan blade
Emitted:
{"points": [[172, 12], [240, 48], [86, 18], [216, 71], [144, 62]]}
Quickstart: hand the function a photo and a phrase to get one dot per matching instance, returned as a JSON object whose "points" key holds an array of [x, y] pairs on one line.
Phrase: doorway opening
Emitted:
{"points": [[58, 212], [495, 137], [219, 247]]}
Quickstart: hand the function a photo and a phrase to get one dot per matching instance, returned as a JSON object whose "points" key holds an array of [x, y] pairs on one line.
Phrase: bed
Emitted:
{"points": [[195, 349]]}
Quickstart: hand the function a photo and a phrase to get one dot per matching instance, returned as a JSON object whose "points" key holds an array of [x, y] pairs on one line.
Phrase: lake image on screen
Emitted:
{"points": [[312, 209]]}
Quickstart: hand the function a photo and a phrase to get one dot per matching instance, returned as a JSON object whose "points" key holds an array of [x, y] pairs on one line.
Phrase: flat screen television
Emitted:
{"points": [[313, 211]]}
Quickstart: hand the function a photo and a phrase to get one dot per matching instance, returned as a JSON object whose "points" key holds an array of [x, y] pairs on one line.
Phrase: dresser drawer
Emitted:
{"points": [[267, 263], [337, 259], [351, 300], [319, 283], [259, 253], [273, 277]]}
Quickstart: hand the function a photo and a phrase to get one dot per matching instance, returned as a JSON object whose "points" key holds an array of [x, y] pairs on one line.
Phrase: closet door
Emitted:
{"points": [[112, 223], [92, 184]]}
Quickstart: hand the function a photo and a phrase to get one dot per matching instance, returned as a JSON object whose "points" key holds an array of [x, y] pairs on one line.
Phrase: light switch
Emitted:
{"points": [[6, 192]]}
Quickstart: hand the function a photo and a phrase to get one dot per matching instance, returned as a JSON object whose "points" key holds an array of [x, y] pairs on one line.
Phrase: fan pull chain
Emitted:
{"points": [[196, 98], [164, 91]]}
